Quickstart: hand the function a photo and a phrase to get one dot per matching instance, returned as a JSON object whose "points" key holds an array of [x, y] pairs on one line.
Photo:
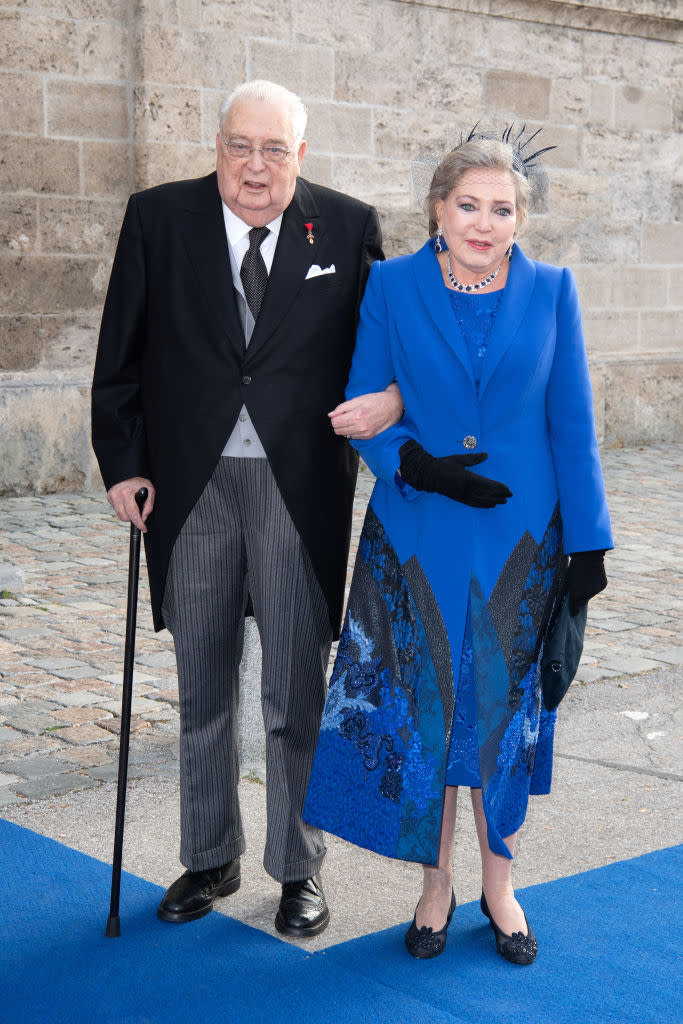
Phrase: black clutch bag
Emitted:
{"points": [[561, 651]]}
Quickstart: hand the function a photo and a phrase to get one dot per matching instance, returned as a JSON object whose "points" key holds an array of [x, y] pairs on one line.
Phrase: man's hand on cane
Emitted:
{"points": [[121, 497]]}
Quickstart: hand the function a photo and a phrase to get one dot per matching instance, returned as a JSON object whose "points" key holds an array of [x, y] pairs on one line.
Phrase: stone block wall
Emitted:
{"points": [[66, 166], [100, 97]]}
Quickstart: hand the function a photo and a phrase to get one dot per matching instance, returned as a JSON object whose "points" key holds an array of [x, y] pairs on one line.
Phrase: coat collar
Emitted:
{"points": [[207, 245], [434, 293], [516, 298], [293, 257]]}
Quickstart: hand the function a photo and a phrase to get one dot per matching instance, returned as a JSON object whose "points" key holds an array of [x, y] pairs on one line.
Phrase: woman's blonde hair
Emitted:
{"points": [[491, 154]]}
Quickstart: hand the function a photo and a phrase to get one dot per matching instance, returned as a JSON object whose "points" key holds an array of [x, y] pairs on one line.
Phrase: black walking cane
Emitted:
{"points": [[113, 929]]}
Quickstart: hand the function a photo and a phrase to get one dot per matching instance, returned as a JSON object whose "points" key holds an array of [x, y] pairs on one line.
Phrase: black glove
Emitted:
{"points": [[585, 577], [449, 475]]}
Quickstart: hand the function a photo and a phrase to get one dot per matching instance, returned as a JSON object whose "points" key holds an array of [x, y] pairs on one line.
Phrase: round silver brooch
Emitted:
{"points": [[470, 441]]}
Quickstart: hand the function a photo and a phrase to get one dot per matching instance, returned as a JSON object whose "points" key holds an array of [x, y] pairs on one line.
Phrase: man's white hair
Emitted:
{"points": [[268, 92]]}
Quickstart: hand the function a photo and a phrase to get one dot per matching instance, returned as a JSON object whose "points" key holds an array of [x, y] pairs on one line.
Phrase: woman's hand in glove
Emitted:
{"points": [[450, 476], [586, 577]]}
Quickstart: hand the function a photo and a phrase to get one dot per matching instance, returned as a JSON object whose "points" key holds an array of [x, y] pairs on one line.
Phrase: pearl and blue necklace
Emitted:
{"points": [[480, 284]]}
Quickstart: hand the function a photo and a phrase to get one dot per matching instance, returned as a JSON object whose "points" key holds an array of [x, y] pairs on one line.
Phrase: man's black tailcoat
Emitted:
{"points": [[172, 370]]}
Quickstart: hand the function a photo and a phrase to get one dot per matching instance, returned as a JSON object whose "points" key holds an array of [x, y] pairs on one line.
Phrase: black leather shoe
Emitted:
{"points": [[424, 942], [303, 909], [518, 948], [192, 895]]}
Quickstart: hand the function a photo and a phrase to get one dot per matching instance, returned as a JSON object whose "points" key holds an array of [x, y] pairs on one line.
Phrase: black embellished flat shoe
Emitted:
{"points": [[424, 942], [518, 948]]}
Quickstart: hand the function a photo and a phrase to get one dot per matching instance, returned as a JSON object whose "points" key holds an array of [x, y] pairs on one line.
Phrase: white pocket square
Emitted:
{"points": [[316, 271]]}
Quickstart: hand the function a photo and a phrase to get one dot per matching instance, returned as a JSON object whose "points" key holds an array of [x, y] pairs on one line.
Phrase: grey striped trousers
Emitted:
{"points": [[238, 539]]}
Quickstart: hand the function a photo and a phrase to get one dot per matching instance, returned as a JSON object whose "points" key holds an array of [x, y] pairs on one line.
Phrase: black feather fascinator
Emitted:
{"points": [[525, 160]]}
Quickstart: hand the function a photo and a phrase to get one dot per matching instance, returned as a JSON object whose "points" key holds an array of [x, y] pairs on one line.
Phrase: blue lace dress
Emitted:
{"points": [[475, 316], [436, 676]]}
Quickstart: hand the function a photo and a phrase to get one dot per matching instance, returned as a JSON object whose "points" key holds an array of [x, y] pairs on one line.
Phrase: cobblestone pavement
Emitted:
{"points": [[62, 627]]}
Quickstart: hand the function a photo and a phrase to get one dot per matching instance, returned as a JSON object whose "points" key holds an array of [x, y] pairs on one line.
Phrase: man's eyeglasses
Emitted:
{"points": [[273, 154]]}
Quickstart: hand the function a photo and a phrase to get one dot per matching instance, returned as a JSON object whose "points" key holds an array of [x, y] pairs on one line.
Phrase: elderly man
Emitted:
{"points": [[226, 338]]}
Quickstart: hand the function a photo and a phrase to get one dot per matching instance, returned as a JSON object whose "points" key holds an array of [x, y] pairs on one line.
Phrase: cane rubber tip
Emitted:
{"points": [[113, 929]]}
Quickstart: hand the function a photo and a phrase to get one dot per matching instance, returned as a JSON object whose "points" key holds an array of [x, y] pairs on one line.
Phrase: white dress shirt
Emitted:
{"points": [[244, 442]]}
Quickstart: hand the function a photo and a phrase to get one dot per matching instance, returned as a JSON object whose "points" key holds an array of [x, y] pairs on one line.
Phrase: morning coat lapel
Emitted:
{"points": [[207, 246], [293, 257], [513, 307], [434, 295]]}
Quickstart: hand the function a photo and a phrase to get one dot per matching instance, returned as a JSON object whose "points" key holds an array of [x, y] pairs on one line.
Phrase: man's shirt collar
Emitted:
{"points": [[237, 229]]}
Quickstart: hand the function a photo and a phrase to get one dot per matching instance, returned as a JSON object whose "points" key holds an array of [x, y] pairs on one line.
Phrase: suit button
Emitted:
{"points": [[470, 441], [246, 380]]}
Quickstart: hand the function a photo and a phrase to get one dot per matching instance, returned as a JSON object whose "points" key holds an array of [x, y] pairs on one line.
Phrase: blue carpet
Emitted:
{"points": [[607, 940]]}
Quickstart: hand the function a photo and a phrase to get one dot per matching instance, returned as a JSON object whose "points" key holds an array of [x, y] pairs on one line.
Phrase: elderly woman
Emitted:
{"points": [[484, 487]]}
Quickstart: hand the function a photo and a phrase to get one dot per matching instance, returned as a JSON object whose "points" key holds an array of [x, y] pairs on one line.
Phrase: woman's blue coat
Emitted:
{"points": [[533, 415]]}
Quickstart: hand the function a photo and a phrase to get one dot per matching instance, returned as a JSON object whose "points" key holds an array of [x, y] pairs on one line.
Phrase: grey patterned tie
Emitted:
{"points": [[253, 271]]}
